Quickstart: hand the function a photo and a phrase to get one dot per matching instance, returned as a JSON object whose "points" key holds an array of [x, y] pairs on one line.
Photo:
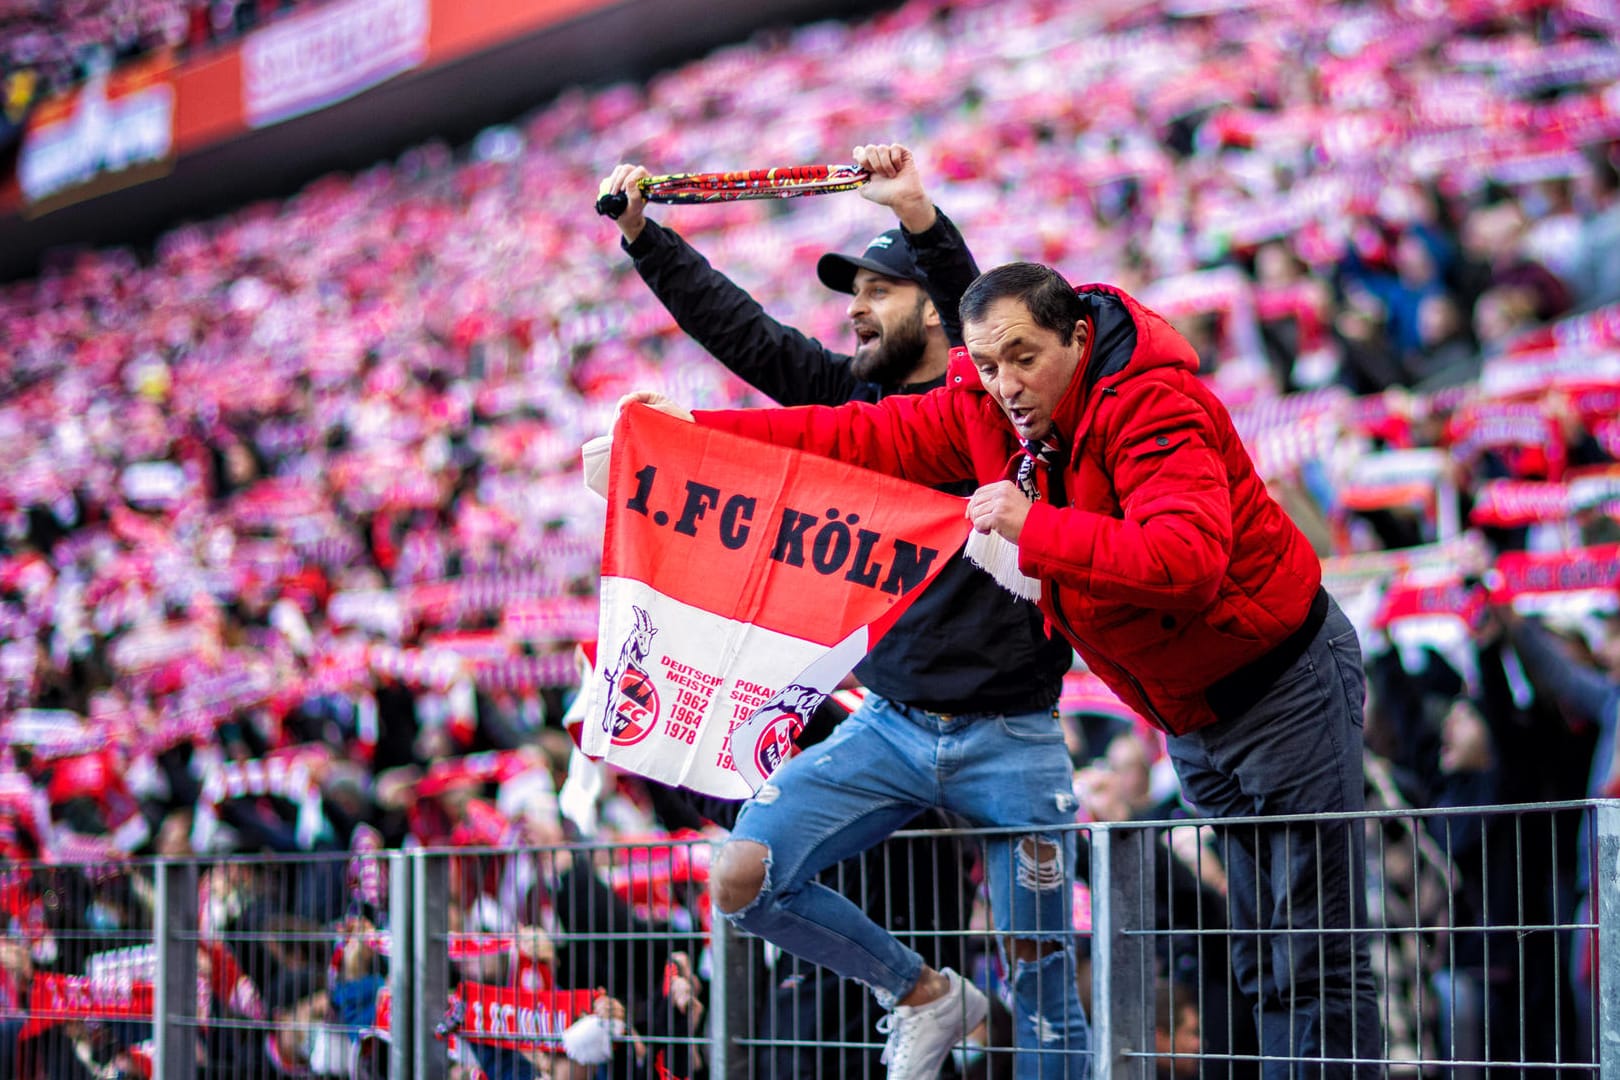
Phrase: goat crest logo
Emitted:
{"points": [[792, 706], [632, 703]]}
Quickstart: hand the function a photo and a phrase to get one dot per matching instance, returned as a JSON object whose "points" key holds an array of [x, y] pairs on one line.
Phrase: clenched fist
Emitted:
{"points": [[1001, 508]]}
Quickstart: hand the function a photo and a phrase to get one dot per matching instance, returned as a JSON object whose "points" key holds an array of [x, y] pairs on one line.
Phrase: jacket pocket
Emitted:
{"points": [[1157, 445], [1229, 618]]}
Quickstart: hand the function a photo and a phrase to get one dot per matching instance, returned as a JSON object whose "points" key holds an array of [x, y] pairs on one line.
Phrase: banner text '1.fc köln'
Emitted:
{"points": [[740, 583]]}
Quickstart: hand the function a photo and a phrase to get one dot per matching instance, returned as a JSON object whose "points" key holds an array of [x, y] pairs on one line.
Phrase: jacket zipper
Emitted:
{"points": [[1136, 684]]}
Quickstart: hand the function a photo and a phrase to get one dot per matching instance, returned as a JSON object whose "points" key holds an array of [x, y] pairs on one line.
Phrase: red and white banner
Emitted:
{"points": [[1506, 504], [1414, 599], [333, 52], [1521, 433], [1536, 370], [1379, 481], [1345, 575], [58, 999], [285, 774], [1577, 580], [115, 131], [526, 1019], [740, 583], [1509, 504], [1085, 694]]}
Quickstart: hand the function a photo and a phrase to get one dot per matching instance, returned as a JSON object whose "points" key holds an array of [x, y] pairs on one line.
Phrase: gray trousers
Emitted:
{"points": [[1297, 892]]}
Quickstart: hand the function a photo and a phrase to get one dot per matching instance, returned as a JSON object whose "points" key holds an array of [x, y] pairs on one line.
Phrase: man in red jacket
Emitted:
{"points": [[1131, 506]]}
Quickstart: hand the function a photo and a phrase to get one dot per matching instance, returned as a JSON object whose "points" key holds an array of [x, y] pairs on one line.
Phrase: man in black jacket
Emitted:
{"points": [[965, 650]]}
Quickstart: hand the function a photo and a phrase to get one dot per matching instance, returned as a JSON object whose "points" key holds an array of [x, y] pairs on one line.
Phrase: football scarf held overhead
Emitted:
{"points": [[740, 583]]}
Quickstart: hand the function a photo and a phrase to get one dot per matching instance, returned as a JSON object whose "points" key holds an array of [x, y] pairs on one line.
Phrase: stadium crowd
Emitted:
{"points": [[48, 46], [293, 555]]}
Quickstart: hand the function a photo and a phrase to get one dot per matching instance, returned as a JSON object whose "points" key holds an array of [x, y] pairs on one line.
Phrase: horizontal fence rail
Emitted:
{"points": [[1457, 944]]}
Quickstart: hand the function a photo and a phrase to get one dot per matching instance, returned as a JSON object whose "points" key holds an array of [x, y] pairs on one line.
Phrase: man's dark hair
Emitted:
{"points": [[1050, 299]]}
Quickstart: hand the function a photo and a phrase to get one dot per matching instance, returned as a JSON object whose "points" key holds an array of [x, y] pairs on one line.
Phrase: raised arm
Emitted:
{"points": [[948, 269], [732, 326], [1554, 671], [936, 244], [916, 437], [714, 311]]}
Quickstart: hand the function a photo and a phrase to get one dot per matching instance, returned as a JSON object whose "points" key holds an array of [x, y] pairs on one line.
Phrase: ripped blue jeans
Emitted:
{"points": [[880, 767]]}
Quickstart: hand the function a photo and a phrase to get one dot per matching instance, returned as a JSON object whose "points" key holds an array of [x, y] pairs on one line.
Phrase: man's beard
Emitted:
{"points": [[890, 360]]}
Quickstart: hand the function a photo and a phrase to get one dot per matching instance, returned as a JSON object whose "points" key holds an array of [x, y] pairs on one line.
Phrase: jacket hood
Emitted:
{"points": [[1127, 339]]}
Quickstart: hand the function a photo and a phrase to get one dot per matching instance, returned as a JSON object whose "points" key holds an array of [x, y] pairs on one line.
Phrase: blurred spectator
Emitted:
{"points": [[1594, 273], [1177, 1043], [1413, 274]]}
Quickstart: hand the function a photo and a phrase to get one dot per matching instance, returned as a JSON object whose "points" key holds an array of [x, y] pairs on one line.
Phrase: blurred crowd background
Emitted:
{"points": [[59, 43], [294, 555]]}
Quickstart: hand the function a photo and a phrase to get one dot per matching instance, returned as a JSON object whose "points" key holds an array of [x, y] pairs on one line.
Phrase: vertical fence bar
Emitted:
{"points": [[174, 1005], [1606, 906], [403, 1032], [1122, 972], [429, 960], [728, 996]]}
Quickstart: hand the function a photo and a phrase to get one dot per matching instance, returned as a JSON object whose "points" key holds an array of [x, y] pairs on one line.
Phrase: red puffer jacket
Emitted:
{"points": [[1161, 555]]}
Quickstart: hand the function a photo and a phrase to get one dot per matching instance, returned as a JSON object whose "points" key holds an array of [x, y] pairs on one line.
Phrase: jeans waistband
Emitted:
{"points": [[975, 709], [1238, 692]]}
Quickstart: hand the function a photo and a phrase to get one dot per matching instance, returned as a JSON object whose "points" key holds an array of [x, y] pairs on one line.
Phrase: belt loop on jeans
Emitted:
{"points": [[1240, 691], [1043, 703]]}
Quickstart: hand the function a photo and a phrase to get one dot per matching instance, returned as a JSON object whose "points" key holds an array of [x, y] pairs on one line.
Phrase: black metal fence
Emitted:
{"points": [[1487, 946], [1489, 943], [77, 963]]}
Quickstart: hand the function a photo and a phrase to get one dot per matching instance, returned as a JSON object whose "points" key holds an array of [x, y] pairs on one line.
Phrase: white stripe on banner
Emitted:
{"points": [[675, 686]]}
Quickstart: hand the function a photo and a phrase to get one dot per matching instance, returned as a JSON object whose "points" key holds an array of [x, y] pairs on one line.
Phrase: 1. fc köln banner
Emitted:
{"points": [[740, 583]]}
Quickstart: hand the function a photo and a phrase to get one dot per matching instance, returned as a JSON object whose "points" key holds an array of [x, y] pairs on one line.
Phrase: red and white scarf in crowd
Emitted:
{"points": [[1506, 504], [740, 583], [59, 999], [514, 1018], [1580, 580], [284, 774], [1576, 581]]}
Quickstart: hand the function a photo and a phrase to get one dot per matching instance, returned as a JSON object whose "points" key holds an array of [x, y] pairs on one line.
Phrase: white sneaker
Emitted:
{"points": [[921, 1036]]}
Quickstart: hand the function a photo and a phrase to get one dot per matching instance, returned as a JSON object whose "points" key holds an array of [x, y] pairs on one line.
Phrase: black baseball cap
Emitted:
{"points": [[888, 254]]}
